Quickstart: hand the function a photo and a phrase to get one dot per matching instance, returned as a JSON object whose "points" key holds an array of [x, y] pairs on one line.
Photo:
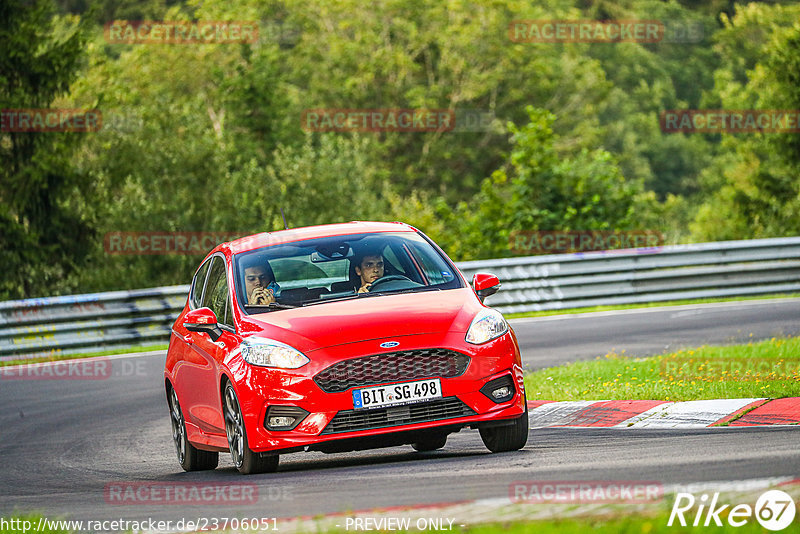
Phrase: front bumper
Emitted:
{"points": [[332, 418]]}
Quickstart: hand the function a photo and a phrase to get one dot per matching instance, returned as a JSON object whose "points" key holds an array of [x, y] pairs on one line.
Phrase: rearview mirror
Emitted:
{"points": [[331, 252], [203, 320], [485, 285]]}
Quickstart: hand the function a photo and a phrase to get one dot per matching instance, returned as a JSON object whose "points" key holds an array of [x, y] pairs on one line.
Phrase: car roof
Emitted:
{"points": [[310, 232]]}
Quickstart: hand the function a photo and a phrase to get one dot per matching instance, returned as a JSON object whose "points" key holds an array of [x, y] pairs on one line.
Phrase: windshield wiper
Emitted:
{"points": [[274, 306], [334, 299], [409, 290], [352, 296]]}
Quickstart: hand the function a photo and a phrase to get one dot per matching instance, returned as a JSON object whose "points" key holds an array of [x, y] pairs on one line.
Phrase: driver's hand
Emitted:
{"points": [[262, 296], [364, 288]]}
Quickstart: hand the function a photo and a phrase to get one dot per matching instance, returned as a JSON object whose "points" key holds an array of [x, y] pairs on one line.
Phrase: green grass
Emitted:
{"points": [[650, 523], [645, 305], [609, 524], [769, 368], [26, 524], [628, 524], [109, 352]]}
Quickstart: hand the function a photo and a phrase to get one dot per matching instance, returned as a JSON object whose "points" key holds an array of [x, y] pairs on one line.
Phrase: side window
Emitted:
{"points": [[196, 294], [216, 294], [435, 270]]}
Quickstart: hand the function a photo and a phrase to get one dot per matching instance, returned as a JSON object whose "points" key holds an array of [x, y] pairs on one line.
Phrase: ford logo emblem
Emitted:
{"points": [[390, 344]]}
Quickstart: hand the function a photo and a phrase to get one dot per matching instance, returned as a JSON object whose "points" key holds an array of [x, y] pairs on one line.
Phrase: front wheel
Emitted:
{"points": [[190, 457], [245, 460], [508, 437]]}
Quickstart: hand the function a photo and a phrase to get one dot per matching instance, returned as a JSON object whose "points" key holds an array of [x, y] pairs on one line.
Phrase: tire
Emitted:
{"points": [[245, 460], [190, 458], [508, 437], [430, 444]]}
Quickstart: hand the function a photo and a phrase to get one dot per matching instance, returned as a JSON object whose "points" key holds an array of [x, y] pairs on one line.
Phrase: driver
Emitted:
{"points": [[259, 282], [369, 269]]}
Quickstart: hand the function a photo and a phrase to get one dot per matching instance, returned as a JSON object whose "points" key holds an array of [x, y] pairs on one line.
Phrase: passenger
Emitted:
{"points": [[259, 282], [369, 268]]}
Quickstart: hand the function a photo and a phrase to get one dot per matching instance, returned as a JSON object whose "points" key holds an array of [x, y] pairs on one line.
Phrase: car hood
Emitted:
{"points": [[336, 323]]}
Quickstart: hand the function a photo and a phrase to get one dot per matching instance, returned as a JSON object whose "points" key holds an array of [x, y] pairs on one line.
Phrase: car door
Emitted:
{"points": [[187, 360], [205, 407]]}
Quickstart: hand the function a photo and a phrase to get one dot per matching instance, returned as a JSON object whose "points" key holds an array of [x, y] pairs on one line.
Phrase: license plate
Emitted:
{"points": [[396, 394]]}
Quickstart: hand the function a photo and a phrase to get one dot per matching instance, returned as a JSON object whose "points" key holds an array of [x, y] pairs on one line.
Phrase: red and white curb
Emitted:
{"points": [[665, 414]]}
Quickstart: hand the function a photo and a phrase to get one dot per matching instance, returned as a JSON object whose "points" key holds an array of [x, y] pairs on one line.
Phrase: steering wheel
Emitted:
{"points": [[390, 278]]}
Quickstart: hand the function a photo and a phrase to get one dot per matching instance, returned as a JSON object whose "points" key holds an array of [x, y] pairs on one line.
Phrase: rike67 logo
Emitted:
{"points": [[774, 510]]}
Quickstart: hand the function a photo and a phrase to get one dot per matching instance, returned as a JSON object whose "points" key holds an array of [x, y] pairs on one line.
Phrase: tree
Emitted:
{"points": [[751, 188], [44, 229], [540, 189]]}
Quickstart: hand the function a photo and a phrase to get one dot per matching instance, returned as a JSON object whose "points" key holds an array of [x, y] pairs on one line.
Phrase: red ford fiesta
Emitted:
{"points": [[337, 338]]}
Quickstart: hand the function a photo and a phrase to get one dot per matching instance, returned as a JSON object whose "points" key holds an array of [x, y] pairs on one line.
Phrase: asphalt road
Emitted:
{"points": [[63, 442], [549, 341]]}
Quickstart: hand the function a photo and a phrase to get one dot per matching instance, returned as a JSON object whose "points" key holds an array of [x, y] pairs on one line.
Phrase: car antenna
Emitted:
{"points": [[285, 226]]}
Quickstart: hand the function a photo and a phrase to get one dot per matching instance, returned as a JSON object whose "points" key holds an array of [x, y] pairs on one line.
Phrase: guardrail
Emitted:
{"points": [[703, 270], [88, 323], [103, 321]]}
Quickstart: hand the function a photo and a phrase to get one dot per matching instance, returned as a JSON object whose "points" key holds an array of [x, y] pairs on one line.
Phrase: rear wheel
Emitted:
{"points": [[430, 443], [507, 437], [190, 458], [245, 460]]}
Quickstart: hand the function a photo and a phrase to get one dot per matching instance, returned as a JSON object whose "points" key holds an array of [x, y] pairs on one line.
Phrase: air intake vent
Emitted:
{"points": [[391, 367], [436, 410]]}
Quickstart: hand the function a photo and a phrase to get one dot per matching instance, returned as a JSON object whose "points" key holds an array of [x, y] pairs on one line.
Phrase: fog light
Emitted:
{"points": [[281, 421], [502, 392], [500, 389], [284, 417]]}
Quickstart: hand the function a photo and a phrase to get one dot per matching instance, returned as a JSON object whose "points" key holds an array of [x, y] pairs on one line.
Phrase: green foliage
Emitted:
{"points": [[543, 190], [43, 230], [650, 78], [751, 188], [208, 137]]}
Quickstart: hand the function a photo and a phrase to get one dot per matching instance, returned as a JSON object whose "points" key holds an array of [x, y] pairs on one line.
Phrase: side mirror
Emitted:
{"points": [[485, 285], [203, 320]]}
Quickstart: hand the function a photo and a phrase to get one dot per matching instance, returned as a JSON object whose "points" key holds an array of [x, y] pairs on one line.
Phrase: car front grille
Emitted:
{"points": [[435, 410], [391, 367]]}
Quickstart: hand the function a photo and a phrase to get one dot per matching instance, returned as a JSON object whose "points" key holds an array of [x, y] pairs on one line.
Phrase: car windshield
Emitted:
{"points": [[319, 270]]}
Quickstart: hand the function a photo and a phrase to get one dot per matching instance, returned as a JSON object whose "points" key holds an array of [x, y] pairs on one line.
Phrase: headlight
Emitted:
{"points": [[486, 326], [271, 353]]}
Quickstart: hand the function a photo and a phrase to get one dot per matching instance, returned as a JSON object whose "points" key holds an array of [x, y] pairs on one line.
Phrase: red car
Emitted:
{"points": [[337, 338]]}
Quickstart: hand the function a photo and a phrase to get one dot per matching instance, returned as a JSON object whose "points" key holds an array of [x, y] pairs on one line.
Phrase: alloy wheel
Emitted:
{"points": [[234, 426], [178, 434]]}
